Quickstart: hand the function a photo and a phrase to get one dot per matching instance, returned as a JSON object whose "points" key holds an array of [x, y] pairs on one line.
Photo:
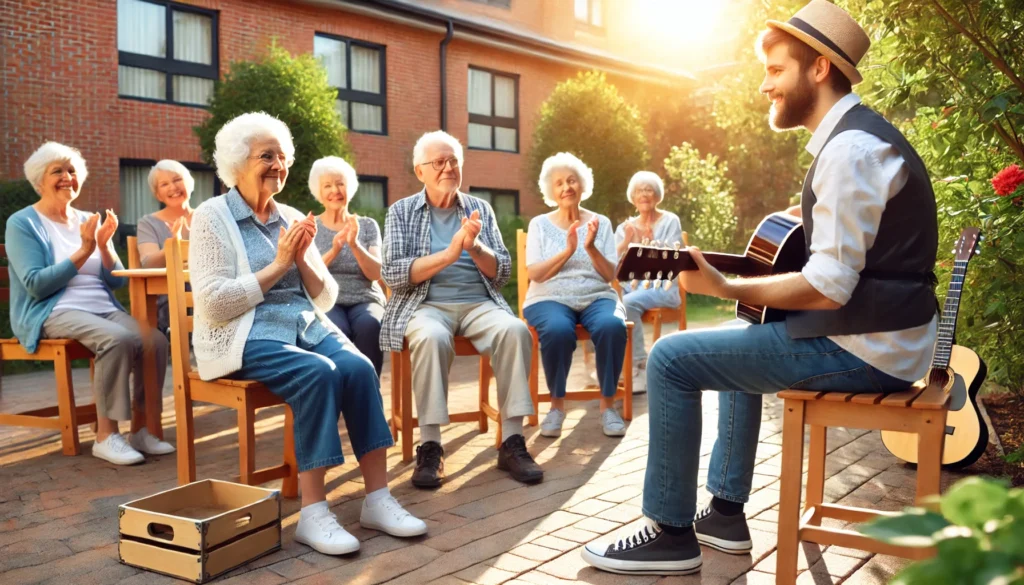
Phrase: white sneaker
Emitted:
{"points": [[551, 426], [117, 451], [143, 442], [322, 533], [640, 380], [389, 516], [613, 424]]}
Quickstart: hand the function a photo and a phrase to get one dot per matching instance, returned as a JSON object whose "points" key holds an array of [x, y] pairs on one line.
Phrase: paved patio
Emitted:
{"points": [[58, 515]]}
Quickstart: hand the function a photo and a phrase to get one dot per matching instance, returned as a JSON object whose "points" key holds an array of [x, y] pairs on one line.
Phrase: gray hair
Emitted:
{"points": [[646, 178], [231, 145], [49, 153], [419, 152], [171, 166], [333, 165], [569, 162]]}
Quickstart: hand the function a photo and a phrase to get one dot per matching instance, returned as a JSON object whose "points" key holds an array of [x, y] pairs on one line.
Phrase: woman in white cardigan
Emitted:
{"points": [[261, 291]]}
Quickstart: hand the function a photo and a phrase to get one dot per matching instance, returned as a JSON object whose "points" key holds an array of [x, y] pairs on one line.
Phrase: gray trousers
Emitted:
{"points": [[116, 341], [493, 332]]}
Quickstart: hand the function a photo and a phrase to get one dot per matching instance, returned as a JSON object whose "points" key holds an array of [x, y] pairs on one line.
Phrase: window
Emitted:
{"points": [[137, 200], [493, 110], [372, 193], [356, 69], [504, 201], [166, 51], [590, 12]]}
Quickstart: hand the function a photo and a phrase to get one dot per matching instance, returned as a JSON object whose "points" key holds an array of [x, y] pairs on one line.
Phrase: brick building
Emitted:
{"points": [[125, 81]]}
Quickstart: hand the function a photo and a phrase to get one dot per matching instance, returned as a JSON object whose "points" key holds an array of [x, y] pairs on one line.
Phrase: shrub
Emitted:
{"points": [[698, 191]]}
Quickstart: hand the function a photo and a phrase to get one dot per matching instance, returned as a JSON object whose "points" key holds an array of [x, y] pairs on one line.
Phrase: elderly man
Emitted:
{"points": [[445, 263]]}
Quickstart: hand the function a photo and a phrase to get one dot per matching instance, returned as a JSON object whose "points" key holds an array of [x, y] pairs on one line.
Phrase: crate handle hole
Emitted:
{"points": [[162, 531], [243, 521]]}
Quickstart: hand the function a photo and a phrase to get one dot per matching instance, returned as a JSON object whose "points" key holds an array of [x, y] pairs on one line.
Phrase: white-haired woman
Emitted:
{"points": [[646, 190], [351, 250], [171, 184], [570, 258], [261, 292], [61, 261]]}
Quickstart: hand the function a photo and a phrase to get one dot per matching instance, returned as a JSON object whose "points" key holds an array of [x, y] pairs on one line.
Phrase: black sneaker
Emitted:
{"points": [[645, 549], [429, 465], [728, 534], [515, 459]]}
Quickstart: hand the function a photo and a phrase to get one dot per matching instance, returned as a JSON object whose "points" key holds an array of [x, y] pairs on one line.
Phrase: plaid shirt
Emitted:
{"points": [[406, 238]]}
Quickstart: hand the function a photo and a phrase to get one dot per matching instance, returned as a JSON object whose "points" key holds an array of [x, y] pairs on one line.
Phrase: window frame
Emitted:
{"points": [[362, 97], [218, 186], [497, 191], [168, 65], [379, 179], [588, 24], [492, 120]]}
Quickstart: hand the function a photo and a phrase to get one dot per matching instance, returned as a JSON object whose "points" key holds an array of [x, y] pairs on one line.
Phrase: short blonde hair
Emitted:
{"points": [[565, 161], [46, 155], [333, 165], [646, 178], [231, 145], [171, 166], [419, 152]]}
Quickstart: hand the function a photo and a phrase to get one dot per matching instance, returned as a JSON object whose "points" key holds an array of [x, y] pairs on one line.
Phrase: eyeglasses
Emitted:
{"points": [[268, 159], [439, 164]]}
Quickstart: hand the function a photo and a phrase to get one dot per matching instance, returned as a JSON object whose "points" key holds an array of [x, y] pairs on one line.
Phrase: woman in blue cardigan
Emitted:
{"points": [[61, 288]]}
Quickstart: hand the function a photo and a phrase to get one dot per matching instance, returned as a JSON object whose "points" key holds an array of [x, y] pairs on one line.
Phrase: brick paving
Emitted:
{"points": [[58, 519]]}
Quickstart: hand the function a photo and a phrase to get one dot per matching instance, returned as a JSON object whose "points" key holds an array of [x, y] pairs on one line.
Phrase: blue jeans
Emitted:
{"points": [[319, 383], [640, 301], [604, 319], [741, 362], [361, 324]]}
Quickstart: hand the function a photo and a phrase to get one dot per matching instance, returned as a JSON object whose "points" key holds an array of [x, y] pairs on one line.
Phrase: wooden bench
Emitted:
{"points": [[920, 410]]}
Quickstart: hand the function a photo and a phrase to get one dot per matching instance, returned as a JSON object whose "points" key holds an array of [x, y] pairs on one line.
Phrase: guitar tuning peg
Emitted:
{"points": [[646, 284], [645, 242], [675, 245], [633, 284], [631, 276], [659, 275], [669, 277], [667, 284]]}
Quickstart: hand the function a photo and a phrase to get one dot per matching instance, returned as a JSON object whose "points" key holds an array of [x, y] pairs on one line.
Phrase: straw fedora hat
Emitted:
{"points": [[832, 32]]}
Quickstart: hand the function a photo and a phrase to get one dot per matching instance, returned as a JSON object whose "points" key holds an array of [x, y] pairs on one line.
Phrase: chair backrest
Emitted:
{"points": [[179, 301], [5, 276], [134, 259]]}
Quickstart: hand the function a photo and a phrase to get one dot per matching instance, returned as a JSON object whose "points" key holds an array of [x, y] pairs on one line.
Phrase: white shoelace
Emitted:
{"points": [[642, 534], [391, 505], [117, 443], [612, 418], [327, 522], [554, 417]]}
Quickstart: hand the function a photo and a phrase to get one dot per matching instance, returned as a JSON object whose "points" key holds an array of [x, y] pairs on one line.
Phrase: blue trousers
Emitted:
{"points": [[320, 383], [361, 324], [741, 363], [555, 323]]}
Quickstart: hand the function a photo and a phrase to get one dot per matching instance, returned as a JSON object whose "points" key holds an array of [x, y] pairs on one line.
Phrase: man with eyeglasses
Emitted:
{"points": [[445, 263]]}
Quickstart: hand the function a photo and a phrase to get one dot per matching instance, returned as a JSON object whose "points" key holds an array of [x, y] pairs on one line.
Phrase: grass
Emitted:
{"points": [[701, 309]]}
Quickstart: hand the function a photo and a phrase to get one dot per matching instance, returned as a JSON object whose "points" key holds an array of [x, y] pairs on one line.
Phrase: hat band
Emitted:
{"points": [[817, 35]]}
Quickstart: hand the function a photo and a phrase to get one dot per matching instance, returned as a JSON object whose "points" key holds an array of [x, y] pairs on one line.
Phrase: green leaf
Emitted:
{"points": [[915, 527], [928, 572], [973, 501]]}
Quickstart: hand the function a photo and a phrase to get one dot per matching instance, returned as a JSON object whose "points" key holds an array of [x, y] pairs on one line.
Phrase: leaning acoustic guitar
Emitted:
{"points": [[960, 372], [777, 246]]}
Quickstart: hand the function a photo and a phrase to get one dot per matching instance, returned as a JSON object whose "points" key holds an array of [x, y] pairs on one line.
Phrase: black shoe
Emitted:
{"points": [[515, 459], [728, 534], [646, 549], [429, 465]]}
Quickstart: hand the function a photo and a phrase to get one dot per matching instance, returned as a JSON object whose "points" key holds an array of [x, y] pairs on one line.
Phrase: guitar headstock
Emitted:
{"points": [[653, 264], [967, 246]]}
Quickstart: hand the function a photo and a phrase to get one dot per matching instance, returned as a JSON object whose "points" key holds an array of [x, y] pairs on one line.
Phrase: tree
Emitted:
{"points": [[295, 90], [586, 116], [698, 191]]}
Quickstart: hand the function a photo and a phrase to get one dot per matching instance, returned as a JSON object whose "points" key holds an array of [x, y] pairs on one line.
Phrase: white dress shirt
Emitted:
{"points": [[857, 174]]}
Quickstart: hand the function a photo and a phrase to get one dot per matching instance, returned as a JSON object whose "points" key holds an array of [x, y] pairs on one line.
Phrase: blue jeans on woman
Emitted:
{"points": [[638, 302], [742, 363], [361, 324], [555, 323], [319, 383]]}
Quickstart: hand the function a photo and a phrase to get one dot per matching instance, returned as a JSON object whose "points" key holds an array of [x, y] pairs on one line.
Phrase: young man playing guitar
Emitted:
{"points": [[862, 312]]}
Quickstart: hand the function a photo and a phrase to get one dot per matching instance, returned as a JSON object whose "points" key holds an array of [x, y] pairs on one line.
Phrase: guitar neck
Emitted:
{"points": [[947, 323], [731, 263]]}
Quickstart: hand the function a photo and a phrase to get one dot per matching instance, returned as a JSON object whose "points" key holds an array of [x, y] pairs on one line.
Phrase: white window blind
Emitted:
{"points": [[493, 119], [137, 200], [356, 70], [370, 195], [504, 203]]}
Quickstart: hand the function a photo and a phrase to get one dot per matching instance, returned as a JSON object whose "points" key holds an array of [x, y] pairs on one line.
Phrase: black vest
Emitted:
{"points": [[896, 289]]}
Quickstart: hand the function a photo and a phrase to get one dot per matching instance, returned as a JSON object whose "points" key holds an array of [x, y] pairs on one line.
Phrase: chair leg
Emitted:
{"points": [[290, 483], [657, 326], [246, 444], [185, 431], [627, 367], [95, 426], [497, 436], [816, 468], [535, 378], [789, 499], [396, 378], [66, 403], [930, 441], [485, 387], [406, 406]]}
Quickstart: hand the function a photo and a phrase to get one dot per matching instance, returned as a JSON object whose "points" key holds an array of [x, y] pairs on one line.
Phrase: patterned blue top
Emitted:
{"points": [[285, 315]]}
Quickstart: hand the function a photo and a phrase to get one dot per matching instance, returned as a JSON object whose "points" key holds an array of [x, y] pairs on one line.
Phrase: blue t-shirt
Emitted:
{"points": [[460, 282]]}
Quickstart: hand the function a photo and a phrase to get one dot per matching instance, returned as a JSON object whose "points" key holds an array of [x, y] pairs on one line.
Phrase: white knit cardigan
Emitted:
{"points": [[226, 291]]}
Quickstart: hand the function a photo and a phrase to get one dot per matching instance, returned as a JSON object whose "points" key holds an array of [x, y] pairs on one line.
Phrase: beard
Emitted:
{"points": [[796, 105]]}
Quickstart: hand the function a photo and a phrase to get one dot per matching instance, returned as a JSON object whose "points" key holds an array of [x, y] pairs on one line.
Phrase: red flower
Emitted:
{"points": [[1007, 180]]}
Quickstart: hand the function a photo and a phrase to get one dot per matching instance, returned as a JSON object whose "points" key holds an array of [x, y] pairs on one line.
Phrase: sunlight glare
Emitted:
{"points": [[680, 22]]}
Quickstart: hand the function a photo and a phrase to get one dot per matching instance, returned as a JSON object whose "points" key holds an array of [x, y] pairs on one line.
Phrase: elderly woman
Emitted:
{"points": [[172, 185], [61, 288], [351, 251], [261, 291], [570, 259], [645, 192]]}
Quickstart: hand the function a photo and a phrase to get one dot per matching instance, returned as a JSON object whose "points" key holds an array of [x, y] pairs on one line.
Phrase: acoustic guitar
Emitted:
{"points": [[959, 371], [776, 247]]}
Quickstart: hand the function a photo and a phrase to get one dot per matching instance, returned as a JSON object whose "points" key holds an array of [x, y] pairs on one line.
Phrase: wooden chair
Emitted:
{"points": [[66, 416], [591, 391], [920, 410], [402, 420], [244, 396]]}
